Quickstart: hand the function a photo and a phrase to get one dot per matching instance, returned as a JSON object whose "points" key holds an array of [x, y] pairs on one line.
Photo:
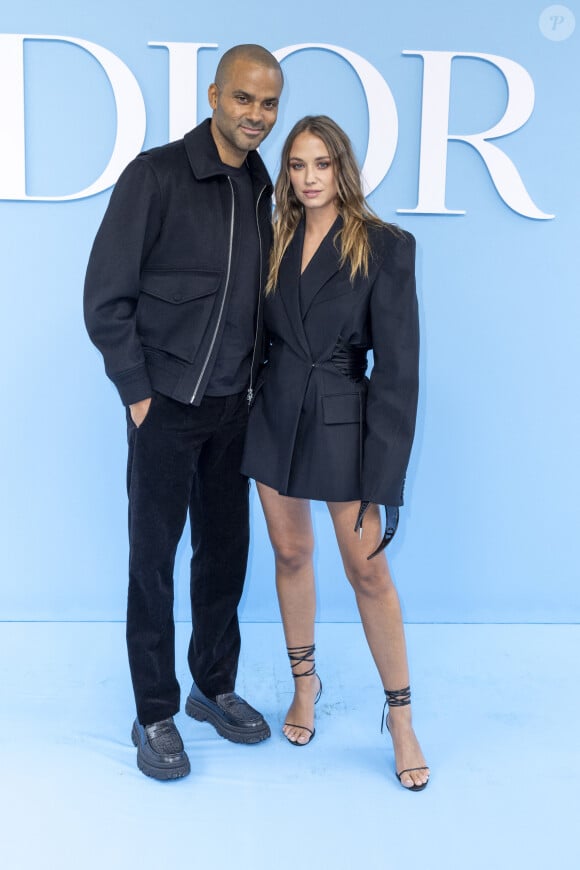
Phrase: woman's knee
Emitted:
{"points": [[369, 579], [293, 555]]}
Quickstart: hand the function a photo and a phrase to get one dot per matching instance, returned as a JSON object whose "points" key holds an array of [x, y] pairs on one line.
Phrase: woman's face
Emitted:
{"points": [[312, 173]]}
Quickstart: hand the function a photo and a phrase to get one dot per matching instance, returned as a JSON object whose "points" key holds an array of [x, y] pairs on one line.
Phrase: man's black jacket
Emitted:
{"points": [[162, 265]]}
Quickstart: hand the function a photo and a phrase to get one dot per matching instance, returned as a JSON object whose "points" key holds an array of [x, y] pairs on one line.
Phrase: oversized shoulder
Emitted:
{"points": [[391, 246]]}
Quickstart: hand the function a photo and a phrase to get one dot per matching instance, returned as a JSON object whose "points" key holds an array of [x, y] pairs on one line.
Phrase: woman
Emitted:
{"points": [[341, 282]]}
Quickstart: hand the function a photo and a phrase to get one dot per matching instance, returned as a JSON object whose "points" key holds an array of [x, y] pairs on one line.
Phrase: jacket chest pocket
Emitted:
{"points": [[175, 308]]}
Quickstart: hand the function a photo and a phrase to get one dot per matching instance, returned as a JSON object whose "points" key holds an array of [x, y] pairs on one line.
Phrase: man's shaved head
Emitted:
{"points": [[253, 53], [244, 100]]}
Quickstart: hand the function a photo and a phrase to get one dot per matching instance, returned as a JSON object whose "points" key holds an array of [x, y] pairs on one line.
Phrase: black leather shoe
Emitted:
{"points": [[230, 715], [160, 751]]}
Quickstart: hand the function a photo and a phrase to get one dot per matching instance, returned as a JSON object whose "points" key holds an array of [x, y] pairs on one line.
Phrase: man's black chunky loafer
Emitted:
{"points": [[230, 715], [160, 751]]}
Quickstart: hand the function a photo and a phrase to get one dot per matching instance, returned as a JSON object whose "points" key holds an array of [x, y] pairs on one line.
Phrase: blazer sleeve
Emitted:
{"points": [[393, 389], [129, 228]]}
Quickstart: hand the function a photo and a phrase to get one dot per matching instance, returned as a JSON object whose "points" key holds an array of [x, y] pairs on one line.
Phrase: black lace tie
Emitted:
{"points": [[299, 655], [395, 698]]}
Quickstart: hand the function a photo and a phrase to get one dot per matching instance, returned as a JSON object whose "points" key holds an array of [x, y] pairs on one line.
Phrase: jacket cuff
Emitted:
{"points": [[133, 385], [386, 492]]}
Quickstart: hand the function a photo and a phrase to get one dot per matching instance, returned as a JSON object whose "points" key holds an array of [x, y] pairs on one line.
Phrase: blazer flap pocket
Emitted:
{"points": [[343, 408], [180, 285]]}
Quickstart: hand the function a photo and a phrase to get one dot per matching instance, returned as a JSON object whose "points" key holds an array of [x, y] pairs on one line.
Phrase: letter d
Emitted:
{"points": [[129, 103]]}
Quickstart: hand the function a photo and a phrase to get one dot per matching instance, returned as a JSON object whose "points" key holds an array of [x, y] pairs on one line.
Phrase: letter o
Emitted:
{"points": [[383, 118]]}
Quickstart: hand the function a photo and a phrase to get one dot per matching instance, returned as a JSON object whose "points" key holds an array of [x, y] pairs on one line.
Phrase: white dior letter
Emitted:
{"points": [[128, 100], [182, 84], [383, 119], [435, 134]]}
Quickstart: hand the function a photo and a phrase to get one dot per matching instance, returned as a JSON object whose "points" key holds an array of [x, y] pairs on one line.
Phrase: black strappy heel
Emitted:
{"points": [[299, 655], [400, 698]]}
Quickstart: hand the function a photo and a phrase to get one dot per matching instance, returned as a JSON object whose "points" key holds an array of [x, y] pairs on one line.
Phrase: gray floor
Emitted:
{"points": [[496, 707]]}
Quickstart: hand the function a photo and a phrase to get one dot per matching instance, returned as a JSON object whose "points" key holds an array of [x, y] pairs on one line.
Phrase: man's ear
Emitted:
{"points": [[212, 96]]}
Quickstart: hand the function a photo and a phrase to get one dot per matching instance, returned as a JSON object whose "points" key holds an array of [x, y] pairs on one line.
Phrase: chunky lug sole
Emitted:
{"points": [[159, 771], [235, 733]]}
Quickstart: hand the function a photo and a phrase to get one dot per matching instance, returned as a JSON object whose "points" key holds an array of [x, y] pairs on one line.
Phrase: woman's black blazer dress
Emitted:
{"points": [[313, 431]]}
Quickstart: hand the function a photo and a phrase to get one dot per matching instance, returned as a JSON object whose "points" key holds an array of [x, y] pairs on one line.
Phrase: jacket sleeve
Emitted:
{"points": [[393, 390], [129, 228]]}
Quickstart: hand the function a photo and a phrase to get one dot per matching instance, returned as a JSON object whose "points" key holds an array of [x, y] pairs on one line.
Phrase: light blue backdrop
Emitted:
{"points": [[491, 524]]}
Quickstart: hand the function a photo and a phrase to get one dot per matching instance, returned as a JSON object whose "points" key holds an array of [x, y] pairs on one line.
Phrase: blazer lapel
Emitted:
{"points": [[288, 283], [323, 265]]}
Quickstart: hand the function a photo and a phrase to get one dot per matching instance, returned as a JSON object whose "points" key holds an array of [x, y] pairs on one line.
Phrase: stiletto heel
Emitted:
{"points": [[299, 655], [400, 698]]}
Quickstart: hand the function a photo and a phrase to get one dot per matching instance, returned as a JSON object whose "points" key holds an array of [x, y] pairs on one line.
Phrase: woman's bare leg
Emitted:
{"points": [[378, 605], [290, 530]]}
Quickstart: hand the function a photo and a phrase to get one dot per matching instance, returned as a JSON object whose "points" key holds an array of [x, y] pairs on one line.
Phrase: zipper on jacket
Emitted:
{"points": [[250, 394], [221, 311]]}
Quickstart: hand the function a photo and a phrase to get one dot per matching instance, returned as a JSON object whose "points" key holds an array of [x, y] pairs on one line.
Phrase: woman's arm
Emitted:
{"points": [[392, 397]]}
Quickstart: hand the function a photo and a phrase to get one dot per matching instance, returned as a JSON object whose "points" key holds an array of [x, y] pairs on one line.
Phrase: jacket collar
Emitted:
{"points": [[204, 159]]}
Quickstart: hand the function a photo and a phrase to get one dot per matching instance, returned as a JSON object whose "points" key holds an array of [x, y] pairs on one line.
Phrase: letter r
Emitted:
{"points": [[435, 134]]}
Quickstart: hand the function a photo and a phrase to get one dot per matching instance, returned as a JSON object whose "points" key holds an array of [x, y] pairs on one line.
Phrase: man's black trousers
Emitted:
{"points": [[185, 458]]}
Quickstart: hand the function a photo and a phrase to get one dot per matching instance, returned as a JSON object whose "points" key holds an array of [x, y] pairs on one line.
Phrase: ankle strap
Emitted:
{"points": [[395, 698], [299, 655]]}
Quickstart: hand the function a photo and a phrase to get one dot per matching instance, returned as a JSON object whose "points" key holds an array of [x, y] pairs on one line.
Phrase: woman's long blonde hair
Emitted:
{"points": [[352, 239]]}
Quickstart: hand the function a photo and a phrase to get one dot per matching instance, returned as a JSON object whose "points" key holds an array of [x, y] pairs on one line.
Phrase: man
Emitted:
{"points": [[172, 300]]}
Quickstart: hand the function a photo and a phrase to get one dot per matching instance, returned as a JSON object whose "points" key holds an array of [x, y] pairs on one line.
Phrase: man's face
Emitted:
{"points": [[245, 109]]}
